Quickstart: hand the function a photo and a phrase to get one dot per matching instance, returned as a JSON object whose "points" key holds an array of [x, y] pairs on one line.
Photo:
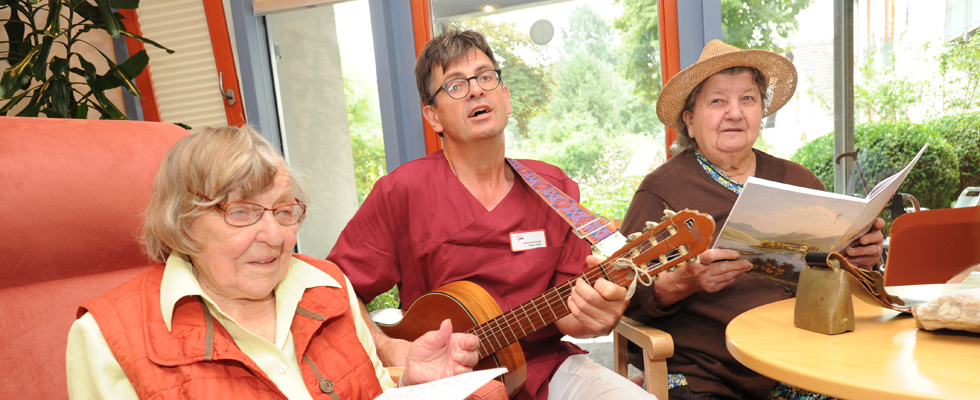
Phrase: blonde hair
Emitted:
{"points": [[216, 162]]}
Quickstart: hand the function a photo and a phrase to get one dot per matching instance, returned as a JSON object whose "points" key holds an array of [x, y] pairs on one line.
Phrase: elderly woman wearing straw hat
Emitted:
{"points": [[717, 105]]}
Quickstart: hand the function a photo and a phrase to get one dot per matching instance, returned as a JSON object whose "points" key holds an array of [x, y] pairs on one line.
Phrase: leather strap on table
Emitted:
{"points": [[869, 286]]}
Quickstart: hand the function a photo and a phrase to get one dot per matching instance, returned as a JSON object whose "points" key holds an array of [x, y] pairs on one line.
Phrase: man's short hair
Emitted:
{"points": [[443, 50]]}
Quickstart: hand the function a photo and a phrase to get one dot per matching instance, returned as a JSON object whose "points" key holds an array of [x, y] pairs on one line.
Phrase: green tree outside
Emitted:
{"points": [[747, 24], [962, 131], [367, 141], [640, 27], [594, 122], [888, 138], [885, 96], [531, 85], [960, 68], [760, 24], [886, 147], [585, 110]]}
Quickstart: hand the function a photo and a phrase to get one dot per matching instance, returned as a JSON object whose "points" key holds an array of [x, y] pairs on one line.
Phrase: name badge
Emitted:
{"points": [[526, 240]]}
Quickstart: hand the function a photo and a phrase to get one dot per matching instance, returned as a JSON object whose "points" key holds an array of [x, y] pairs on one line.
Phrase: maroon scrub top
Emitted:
{"points": [[420, 228]]}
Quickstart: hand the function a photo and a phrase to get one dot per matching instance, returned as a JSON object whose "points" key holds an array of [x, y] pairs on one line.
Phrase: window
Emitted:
{"points": [[809, 43], [573, 105], [916, 88], [962, 18], [323, 62], [910, 87]]}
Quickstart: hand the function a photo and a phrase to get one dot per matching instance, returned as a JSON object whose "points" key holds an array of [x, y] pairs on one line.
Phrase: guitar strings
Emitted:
{"points": [[498, 327], [549, 298]]}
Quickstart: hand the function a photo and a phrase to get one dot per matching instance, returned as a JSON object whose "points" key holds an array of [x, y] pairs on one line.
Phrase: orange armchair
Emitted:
{"points": [[932, 246], [73, 192]]}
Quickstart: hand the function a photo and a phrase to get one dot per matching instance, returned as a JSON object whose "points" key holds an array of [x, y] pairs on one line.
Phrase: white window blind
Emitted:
{"points": [[263, 7], [185, 82]]}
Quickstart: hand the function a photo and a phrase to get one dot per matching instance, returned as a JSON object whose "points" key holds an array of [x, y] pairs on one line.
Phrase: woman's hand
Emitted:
{"points": [[440, 354], [866, 251], [715, 270]]}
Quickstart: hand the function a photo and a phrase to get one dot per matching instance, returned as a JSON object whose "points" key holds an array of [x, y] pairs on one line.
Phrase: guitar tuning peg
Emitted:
{"points": [[649, 225], [633, 236], [671, 269], [668, 214], [654, 277]]}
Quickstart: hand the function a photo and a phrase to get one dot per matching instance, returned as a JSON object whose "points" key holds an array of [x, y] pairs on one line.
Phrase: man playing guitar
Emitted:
{"points": [[463, 214]]}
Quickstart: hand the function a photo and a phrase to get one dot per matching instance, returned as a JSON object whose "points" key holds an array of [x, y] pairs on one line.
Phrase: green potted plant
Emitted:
{"points": [[47, 70]]}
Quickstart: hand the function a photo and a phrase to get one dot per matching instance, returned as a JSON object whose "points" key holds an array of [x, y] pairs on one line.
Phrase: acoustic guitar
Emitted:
{"points": [[471, 309]]}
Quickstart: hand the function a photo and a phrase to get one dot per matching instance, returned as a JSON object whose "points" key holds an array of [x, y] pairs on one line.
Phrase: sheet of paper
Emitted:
{"points": [[454, 388], [972, 281], [877, 200]]}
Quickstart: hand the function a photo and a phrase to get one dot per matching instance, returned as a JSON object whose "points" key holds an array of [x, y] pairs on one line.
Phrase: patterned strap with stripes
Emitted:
{"points": [[586, 225]]}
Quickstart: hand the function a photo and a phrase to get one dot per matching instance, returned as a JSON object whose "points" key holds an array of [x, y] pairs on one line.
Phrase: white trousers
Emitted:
{"points": [[580, 378]]}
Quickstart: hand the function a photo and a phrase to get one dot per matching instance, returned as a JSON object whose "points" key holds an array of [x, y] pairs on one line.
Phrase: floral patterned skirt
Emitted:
{"points": [[781, 391]]}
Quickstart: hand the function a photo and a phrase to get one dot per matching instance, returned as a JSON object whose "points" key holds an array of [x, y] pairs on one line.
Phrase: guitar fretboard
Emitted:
{"points": [[653, 249]]}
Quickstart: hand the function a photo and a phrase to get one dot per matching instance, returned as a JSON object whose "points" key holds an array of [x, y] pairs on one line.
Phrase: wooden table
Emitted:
{"points": [[886, 356]]}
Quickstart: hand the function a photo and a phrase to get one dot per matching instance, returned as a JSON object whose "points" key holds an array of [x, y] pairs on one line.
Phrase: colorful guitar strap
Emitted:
{"points": [[586, 225]]}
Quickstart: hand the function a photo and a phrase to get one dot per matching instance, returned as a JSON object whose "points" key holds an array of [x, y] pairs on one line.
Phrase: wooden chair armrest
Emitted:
{"points": [[657, 343], [657, 346]]}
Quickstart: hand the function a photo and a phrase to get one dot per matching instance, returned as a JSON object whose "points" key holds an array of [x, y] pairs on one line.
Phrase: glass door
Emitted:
{"points": [[327, 95], [576, 104]]}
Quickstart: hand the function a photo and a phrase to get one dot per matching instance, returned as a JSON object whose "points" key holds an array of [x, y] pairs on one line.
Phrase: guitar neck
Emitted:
{"points": [[529, 317], [653, 250]]}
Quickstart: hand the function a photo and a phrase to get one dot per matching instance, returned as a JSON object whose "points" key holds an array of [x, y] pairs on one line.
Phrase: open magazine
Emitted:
{"points": [[773, 225]]}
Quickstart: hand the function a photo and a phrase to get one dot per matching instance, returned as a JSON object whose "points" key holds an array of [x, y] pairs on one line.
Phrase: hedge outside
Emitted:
{"points": [[949, 165]]}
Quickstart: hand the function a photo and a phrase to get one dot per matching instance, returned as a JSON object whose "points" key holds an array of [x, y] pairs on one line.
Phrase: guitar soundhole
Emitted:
{"points": [[492, 361]]}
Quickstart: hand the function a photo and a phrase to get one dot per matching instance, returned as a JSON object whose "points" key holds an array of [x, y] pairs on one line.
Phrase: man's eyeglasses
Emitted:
{"points": [[460, 87], [240, 213]]}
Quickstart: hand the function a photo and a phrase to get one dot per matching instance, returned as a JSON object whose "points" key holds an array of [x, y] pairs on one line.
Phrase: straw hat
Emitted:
{"points": [[717, 56]]}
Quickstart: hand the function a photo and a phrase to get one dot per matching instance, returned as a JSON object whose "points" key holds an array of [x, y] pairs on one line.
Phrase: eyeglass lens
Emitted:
{"points": [[245, 214], [459, 88]]}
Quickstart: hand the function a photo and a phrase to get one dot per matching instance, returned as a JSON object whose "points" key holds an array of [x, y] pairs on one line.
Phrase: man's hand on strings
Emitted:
{"points": [[595, 309]]}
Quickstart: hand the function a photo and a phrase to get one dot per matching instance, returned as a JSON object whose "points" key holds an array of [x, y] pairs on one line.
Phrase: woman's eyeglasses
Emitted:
{"points": [[240, 213]]}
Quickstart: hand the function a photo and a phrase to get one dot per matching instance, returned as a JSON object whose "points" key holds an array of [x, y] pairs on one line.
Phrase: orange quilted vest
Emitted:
{"points": [[199, 359]]}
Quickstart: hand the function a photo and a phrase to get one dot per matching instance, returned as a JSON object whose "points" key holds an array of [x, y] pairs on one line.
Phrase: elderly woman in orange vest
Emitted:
{"points": [[230, 310]]}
